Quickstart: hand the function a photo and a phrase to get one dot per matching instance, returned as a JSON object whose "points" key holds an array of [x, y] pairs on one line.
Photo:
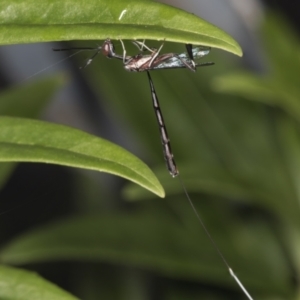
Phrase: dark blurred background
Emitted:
{"points": [[104, 100]]}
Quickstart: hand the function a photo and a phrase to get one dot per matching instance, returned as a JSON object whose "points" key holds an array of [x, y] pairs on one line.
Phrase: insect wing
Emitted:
{"points": [[199, 52]]}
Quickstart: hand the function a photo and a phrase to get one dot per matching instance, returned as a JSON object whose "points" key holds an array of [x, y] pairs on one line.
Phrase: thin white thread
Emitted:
{"points": [[232, 274], [52, 65]]}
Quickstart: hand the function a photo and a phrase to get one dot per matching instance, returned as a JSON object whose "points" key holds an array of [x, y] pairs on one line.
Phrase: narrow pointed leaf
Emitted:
{"points": [[163, 244], [35, 141], [12, 103], [54, 20], [19, 284], [267, 90]]}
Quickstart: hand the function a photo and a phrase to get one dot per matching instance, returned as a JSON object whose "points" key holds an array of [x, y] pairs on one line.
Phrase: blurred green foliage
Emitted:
{"points": [[239, 159]]}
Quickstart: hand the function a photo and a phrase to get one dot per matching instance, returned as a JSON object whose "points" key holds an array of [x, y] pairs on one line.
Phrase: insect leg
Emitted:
{"points": [[168, 155]]}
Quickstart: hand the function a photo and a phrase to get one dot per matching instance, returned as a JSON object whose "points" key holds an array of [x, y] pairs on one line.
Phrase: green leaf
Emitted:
{"points": [[168, 242], [19, 284], [55, 20], [35, 141], [267, 90], [13, 103]]}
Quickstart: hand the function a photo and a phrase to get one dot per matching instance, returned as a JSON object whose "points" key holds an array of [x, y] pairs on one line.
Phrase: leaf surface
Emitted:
{"points": [[19, 284], [54, 20], [24, 140], [170, 244], [28, 101]]}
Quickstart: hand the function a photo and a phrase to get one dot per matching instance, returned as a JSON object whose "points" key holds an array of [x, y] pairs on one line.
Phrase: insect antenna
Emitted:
{"points": [[89, 60], [75, 48]]}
